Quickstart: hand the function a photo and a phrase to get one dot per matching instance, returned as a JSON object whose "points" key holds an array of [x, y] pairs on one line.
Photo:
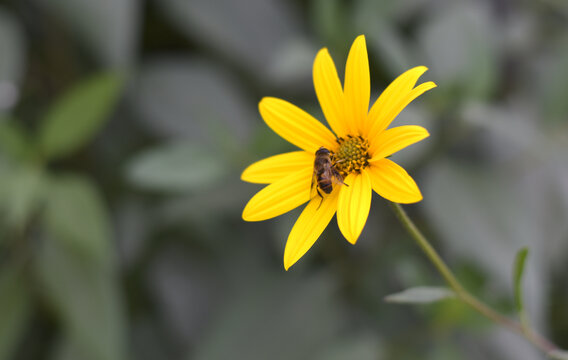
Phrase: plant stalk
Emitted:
{"points": [[537, 340]]}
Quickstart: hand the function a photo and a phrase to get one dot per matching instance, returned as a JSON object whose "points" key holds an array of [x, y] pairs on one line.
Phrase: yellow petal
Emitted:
{"points": [[403, 102], [295, 125], [329, 91], [276, 167], [397, 90], [280, 197], [392, 140], [309, 226], [353, 205], [357, 88], [393, 182]]}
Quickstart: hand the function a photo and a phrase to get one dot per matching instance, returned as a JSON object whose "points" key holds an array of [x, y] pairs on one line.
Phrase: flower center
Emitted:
{"points": [[352, 155]]}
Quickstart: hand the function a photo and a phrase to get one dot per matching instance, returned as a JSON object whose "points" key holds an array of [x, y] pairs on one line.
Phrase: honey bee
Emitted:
{"points": [[325, 173]]}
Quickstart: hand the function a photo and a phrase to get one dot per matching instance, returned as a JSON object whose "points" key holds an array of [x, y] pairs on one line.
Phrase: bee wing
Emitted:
{"points": [[336, 177]]}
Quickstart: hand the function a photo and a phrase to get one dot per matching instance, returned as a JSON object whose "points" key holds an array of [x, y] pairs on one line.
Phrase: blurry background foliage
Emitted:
{"points": [[125, 125]]}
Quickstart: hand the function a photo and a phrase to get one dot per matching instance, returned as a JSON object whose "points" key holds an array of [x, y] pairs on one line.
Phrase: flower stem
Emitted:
{"points": [[465, 296]]}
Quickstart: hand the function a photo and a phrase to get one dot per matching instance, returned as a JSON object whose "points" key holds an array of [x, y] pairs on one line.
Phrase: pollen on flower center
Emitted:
{"points": [[352, 155]]}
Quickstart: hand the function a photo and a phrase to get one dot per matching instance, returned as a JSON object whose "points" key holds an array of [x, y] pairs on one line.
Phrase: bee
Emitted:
{"points": [[325, 173]]}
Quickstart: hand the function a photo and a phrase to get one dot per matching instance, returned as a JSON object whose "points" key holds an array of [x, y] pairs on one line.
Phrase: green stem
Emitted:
{"points": [[536, 339]]}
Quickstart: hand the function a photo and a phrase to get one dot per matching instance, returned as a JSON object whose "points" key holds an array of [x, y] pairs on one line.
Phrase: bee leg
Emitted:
{"points": [[321, 201], [314, 186]]}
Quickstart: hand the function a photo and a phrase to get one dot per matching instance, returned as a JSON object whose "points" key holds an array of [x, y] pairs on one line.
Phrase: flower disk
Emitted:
{"points": [[359, 142], [352, 155]]}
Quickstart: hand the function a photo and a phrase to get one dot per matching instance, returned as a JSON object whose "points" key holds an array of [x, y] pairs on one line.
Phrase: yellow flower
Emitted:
{"points": [[360, 144]]}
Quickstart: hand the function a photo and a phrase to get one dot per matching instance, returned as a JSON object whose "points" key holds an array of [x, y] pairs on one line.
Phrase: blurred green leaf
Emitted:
{"points": [[195, 100], [421, 295], [12, 60], [86, 297], [530, 159], [328, 19], [359, 346], [292, 64], [378, 19], [388, 46], [518, 276], [558, 355], [21, 190], [509, 132], [447, 350], [15, 309], [76, 266], [550, 82], [77, 115], [445, 316], [485, 214], [108, 28], [13, 139], [66, 349], [176, 167], [479, 214], [279, 318], [460, 49], [76, 215], [247, 31]]}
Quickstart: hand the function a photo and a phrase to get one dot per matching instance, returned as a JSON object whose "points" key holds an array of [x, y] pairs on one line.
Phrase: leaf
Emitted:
{"points": [[354, 346], [421, 295], [66, 349], [517, 277], [329, 20], [13, 139], [76, 266], [176, 167], [15, 310], [558, 355], [484, 215], [77, 115], [21, 190], [12, 60], [262, 322], [550, 82], [193, 100], [232, 28], [378, 21], [510, 132], [108, 28], [75, 214], [458, 45], [86, 297]]}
